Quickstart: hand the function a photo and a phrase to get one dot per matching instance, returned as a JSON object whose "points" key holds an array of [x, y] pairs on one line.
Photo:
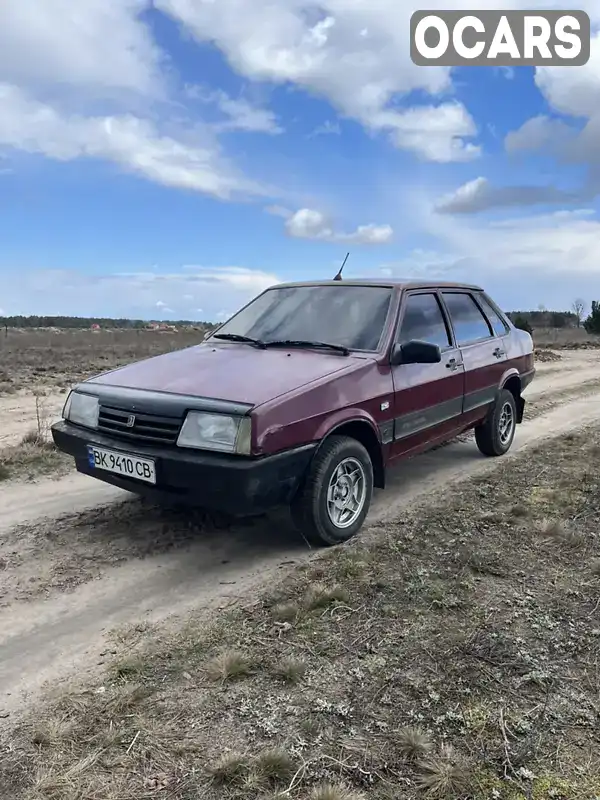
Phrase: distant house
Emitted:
{"points": [[161, 326], [95, 327]]}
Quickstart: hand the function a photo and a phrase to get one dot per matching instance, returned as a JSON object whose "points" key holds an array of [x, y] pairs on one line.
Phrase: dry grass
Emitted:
{"points": [[413, 744], [453, 654], [50, 358], [291, 669], [285, 612], [334, 791], [36, 454], [229, 665], [319, 595], [444, 776], [32, 458], [230, 768], [565, 338]]}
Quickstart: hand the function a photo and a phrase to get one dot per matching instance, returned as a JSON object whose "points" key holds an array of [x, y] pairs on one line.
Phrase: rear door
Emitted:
{"points": [[483, 352], [428, 398]]}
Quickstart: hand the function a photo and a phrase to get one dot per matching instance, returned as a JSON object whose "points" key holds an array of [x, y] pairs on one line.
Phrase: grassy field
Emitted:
{"points": [[452, 654], [42, 359], [564, 338]]}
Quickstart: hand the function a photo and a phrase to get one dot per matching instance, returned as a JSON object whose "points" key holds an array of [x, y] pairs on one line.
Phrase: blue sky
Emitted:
{"points": [[171, 159]]}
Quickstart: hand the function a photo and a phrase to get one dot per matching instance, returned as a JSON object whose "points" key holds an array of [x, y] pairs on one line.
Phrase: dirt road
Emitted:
{"points": [[78, 558]]}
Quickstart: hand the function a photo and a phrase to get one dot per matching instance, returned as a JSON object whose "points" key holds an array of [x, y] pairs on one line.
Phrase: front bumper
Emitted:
{"points": [[233, 484]]}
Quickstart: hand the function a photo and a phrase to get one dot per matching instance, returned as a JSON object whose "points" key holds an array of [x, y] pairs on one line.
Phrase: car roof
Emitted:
{"points": [[402, 283]]}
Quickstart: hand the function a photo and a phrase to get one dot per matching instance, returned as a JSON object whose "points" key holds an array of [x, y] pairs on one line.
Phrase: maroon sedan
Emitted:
{"points": [[304, 398]]}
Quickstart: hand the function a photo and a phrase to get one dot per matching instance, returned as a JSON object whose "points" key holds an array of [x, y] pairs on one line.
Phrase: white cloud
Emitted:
{"points": [[98, 44], [134, 144], [573, 91], [434, 133], [420, 264], [307, 223], [353, 54], [542, 245], [570, 92], [328, 128], [539, 133], [240, 113], [135, 295], [243, 116], [479, 195]]}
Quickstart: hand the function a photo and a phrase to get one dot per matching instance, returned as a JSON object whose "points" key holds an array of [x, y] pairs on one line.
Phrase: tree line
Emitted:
{"points": [[35, 321], [575, 318], [526, 320]]}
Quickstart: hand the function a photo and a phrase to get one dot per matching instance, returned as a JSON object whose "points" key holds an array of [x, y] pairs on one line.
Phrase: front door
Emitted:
{"points": [[428, 398], [483, 353]]}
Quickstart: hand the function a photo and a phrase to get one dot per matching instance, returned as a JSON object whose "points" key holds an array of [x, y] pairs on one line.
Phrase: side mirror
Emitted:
{"points": [[416, 352]]}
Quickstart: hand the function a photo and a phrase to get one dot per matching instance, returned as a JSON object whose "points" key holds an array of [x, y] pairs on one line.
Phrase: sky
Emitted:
{"points": [[172, 159]]}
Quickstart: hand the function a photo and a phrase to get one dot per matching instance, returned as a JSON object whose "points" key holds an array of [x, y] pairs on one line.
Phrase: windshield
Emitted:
{"points": [[350, 316]]}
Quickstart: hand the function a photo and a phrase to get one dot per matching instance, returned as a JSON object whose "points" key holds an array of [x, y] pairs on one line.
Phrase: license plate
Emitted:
{"points": [[143, 469]]}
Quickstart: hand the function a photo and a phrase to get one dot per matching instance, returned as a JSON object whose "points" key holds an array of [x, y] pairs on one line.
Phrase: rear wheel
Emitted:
{"points": [[495, 435], [332, 505]]}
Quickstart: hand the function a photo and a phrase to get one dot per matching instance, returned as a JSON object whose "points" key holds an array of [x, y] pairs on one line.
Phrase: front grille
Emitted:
{"points": [[146, 427]]}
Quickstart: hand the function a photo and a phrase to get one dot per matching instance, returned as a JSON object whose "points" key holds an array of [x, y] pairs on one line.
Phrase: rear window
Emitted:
{"points": [[467, 320], [499, 326]]}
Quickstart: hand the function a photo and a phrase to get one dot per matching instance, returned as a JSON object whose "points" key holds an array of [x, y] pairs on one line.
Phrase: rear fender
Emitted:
{"points": [[511, 380]]}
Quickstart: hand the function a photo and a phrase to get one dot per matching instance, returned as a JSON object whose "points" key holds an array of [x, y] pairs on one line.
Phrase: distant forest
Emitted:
{"points": [[536, 319], [87, 322], [546, 319]]}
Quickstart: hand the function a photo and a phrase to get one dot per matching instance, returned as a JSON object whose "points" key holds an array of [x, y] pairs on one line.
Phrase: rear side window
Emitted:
{"points": [[469, 323], [423, 320], [499, 326]]}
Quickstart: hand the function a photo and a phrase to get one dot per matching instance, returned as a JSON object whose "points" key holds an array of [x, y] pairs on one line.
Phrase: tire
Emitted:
{"points": [[493, 437], [311, 509]]}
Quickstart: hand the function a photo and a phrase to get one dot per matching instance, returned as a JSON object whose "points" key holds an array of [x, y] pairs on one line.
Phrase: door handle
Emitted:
{"points": [[452, 364], [498, 352]]}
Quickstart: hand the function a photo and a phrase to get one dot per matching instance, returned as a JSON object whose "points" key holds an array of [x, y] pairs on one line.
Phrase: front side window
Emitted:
{"points": [[350, 316], [467, 320], [423, 320]]}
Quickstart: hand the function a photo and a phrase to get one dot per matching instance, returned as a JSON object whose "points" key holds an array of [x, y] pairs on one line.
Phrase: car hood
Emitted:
{"points": [[239, 373]]}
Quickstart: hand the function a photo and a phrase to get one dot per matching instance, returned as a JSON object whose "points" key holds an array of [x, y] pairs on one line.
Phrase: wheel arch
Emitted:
{"points": [[512, 383], [365, 432]]}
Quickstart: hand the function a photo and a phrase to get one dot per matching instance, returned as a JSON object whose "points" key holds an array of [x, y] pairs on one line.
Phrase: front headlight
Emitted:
{"points": [[215, 432], [82, 409]]}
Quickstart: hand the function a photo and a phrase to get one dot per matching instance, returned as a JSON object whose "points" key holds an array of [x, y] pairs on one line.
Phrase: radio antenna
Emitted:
{"points": [[338, 277]]}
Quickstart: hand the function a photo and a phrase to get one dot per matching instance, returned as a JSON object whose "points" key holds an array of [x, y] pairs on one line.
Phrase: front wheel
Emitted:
{"points": [[495, 435], [332, 505]]}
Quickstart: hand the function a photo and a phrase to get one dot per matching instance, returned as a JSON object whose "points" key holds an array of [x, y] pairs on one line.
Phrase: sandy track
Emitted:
{"points": [[78, 558], [18, 415]]}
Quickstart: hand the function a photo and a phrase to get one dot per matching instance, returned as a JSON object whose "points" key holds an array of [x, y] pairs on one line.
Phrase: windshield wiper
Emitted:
{"points": [[306, 343], [236, 337]]}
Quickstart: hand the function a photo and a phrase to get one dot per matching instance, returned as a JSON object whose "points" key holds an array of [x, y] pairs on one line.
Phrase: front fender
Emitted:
{"points": [[342, 417]]}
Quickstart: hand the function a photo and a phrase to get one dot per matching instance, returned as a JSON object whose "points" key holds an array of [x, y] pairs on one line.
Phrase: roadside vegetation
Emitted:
{"points": [[35, 455], [453, 653]]}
